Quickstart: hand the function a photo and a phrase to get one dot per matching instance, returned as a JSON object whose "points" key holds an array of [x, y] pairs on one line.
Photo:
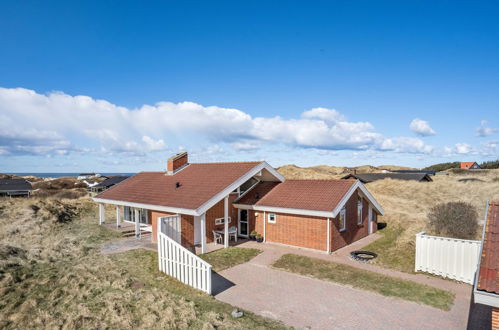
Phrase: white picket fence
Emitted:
{"points": [[448, 257], [185, 266]]}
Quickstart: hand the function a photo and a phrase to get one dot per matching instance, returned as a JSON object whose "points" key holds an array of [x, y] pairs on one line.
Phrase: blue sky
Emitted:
{"points": [[119, 86]]}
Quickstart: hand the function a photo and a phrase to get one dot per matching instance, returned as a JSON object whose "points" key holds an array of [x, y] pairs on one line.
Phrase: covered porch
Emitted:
{"points": [[189, 230]]}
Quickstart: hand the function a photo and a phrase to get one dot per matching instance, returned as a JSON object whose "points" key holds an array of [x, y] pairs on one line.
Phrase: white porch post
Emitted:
{"points": [[102, 214], [118, 216], [226, 221], [203, 233], [328, 236], [137, 224]]}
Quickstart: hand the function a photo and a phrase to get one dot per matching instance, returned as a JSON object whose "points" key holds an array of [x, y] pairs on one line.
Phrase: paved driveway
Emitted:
{"points": [[306, 302]]}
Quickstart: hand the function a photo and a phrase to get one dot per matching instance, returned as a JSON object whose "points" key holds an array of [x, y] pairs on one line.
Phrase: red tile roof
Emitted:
{"points": [[317, 195], [489, 264], [199, 182], [467, 164]]}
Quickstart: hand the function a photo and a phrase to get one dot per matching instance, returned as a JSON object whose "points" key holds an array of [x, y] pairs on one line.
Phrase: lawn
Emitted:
{"points": [[389, 255], [366, 280], [230, 257], [53, 276]]}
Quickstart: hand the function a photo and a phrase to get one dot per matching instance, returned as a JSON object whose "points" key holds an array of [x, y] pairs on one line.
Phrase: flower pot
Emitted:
{"points": [[259, 240], [252, 238]]}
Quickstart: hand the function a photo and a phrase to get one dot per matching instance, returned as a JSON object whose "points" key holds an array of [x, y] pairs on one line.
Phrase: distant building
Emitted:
{"points": [[370, 177], [470, 166], [414, 171], [108, 183], [15, 188], [84, 176]]}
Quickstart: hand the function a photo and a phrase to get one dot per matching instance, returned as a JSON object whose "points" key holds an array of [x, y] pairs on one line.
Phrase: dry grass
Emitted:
{"points": [[330, 172], [52, 275], [406, 204]]}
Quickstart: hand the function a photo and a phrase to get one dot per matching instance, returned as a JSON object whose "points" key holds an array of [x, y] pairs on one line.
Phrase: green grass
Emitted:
{"points": [[389, 254], [366, 280], [230, 257]]}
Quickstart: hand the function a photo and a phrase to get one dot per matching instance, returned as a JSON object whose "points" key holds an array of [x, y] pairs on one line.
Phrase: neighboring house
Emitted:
{"points": [[469, 166], [414, 171], [317, 214], [15, 187], [486, 287], [106, 184], [370, 177], [85, 176]]}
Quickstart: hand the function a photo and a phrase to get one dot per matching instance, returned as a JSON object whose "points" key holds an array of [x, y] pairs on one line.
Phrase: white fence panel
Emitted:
{"points": [[178, 262], [448, 257]]}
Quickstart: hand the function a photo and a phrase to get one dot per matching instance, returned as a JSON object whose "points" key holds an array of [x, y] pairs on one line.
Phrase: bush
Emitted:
{"points": [[490, 165], [454, 219], [442, 166]]}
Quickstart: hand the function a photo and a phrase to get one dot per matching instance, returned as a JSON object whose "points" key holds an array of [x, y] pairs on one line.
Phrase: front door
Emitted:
{"points": [[243, 223]]}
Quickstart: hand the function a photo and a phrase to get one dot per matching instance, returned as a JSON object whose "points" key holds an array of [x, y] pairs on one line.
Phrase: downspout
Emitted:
{"points": [[264, 227], [328, 236]]}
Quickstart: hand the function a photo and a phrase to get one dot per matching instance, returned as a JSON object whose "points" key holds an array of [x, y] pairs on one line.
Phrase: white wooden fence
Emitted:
{"points": [[178, 262], [448, 257]]}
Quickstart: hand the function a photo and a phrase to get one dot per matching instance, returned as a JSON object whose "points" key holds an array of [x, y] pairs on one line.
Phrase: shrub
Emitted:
{"points": [[490, 164], [454, 219], [442, 166]]}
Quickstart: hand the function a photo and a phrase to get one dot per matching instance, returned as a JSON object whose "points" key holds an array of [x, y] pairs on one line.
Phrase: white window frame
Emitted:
{"points": [[360, 210], [343, 213], [274, 216], [221, 221]]}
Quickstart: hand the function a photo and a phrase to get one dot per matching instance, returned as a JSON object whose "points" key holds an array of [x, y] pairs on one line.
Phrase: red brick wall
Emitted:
{"points": [[297, 230], [186, 224], [353, 230], [495, 319], [217, 211]]}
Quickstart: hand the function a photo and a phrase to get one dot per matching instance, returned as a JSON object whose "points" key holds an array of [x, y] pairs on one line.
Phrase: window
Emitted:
{"points": [[359, 211], [247, 185], [343, 219], [272, 218], [220, 221]]}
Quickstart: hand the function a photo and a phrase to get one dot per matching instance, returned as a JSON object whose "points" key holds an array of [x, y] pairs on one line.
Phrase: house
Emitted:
{"points": [[15, 187], [195, 199], [486, 286], [106, 184], [469, 166], [85, 176], [370, 177]]}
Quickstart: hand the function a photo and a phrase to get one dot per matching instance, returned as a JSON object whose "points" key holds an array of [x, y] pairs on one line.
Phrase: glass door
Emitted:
{"points": [[243, 223]]}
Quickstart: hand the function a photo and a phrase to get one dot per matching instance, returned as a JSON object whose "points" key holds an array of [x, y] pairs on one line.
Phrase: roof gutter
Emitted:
{"points": [[147, 206], [284, 210], [480, 296]]}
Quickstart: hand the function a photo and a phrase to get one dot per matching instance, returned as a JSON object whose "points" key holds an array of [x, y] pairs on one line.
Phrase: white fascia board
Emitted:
{"points": [[147, 206], [486, 298], [218, 197], [284, 210], [349, 194]]}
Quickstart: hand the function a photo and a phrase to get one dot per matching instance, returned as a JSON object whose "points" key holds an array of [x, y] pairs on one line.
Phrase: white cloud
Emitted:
{"points": [[484, 130], [32, 123], [406, 144], [421, 127], [463, 148]]}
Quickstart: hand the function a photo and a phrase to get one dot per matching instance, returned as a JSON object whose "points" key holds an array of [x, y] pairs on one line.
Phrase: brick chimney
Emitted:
{"points": [[176, 162]]}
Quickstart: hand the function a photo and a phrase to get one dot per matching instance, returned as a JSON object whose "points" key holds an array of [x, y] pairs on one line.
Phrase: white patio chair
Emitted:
{"points": [[233, 233], [217, 237]]}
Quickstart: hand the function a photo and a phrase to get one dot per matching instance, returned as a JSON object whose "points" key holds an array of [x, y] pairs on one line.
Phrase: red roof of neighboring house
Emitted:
{"points": [[467, 164], [199, 182], [489, 264], [320, 195]]}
